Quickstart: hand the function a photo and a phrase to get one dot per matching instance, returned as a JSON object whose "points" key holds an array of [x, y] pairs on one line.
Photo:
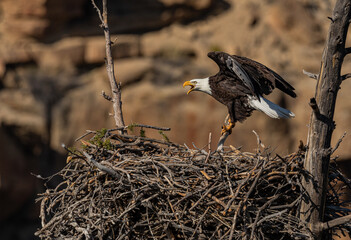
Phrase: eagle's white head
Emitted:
{"points": [[201, 85]]}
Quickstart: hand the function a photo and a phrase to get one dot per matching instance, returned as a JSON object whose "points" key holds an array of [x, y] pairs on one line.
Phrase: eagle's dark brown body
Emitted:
{"points": [[232, 94], [230, 89]]}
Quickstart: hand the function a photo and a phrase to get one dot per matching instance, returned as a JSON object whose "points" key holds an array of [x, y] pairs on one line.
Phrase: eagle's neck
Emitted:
{"points": [[203, 85]]}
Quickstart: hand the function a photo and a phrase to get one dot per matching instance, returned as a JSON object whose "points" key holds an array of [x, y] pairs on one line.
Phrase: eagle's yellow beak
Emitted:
{"points": [[188, 83]]}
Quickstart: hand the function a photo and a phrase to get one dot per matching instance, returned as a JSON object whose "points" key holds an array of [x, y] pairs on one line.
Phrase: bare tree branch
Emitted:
{"points": [[338, 143], [345, 76], [335, 222], [103, 168], [107, 97], [347, 50], [311, 75], [115, 87], [222, 140]]}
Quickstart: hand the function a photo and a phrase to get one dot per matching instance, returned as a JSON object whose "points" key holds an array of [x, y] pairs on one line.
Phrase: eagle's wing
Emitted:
{"points": [[236, 67], [265, 78]]}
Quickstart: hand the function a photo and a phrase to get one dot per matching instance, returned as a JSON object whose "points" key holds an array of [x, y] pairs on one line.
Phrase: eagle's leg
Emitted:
{"points": [[230, 119], [228, 128]]}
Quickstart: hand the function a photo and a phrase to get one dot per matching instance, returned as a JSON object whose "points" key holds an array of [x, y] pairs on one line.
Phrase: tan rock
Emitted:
{"points": [[295, 20], [132, 70], [12, 52], [65, 54], [26, 20], [196, 4]]}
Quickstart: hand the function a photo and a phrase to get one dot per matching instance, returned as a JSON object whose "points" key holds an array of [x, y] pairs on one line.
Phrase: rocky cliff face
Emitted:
{"points": [[52, 72]]}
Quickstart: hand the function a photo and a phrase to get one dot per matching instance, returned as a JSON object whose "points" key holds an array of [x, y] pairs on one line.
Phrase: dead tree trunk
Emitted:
{"points": [[321, 123]]}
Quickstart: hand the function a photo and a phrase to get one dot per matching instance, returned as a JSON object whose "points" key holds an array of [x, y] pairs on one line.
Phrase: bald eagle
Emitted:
{"points": [[240, 85]]}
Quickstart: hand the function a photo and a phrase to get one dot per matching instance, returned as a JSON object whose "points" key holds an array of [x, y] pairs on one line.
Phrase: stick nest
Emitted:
{"points": [[129, 187]]}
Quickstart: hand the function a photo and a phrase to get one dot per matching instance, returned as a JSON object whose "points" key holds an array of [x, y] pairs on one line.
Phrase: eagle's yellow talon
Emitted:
{"points": [[227, 128]]}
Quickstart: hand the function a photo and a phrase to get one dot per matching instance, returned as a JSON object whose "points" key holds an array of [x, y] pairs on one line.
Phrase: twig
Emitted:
{"points": [[209, 147], [221, 141], [345, 76], [103, 168], [259, 142], [271, 216], [84, 135], [338, 143], [264, 206], [107, 97], [311, 75], [148, 126]]}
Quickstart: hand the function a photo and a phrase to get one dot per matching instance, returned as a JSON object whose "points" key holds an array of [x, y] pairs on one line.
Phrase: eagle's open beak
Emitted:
{"points": [[188, 83]]}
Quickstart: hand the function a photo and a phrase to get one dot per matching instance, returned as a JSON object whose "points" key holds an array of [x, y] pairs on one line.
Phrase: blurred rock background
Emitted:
{"points": [[52, 73]]}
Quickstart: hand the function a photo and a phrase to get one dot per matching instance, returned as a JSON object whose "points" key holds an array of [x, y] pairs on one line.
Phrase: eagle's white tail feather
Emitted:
{"points": [[269, 108]]}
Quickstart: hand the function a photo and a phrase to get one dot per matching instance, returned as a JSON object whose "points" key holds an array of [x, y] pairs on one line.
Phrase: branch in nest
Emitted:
{"points": [[311, 75], [224, 136], [103, 168], [347, 50], [221, 141], [131, 126]]}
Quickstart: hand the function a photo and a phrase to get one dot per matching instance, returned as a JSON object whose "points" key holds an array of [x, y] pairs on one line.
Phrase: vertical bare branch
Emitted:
{"points": [[115, 87]]}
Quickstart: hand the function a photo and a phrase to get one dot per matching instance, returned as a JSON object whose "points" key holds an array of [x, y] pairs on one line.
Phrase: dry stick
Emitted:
{"points": [[199, 222], [209, 147], [239, 188], [345, 76], [245, 200], [264, 206], [115, 87], [271, 216], [255, 182], [222, 140], [336, 222], [103, 168], [203, 196], [42, 210], [224, 136], [241, 202], [235, 220], [144, 126], [338, 143], [311, 75], [107, 97]]}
